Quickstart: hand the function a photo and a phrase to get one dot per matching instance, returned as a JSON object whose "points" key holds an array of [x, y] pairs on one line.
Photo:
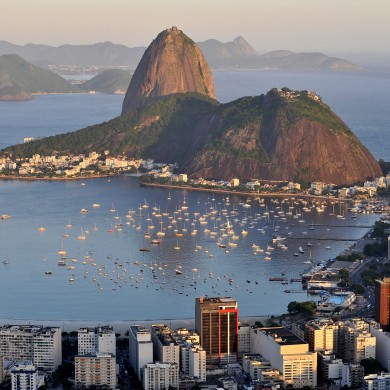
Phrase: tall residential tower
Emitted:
{"points": [[382, 302], [216, 321]]}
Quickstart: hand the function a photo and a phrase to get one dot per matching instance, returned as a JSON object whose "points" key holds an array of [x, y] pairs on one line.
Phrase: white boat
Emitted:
{"points": [[83, 211], [96, 205], [81, 236], [300, 249]]}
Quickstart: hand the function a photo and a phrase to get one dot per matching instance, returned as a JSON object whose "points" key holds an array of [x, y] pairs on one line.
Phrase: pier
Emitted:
{"points": [[340, 226], [323, 238]]}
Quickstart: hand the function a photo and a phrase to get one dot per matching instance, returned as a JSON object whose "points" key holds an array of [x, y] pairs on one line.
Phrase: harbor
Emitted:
{"points": [[115, 243]]}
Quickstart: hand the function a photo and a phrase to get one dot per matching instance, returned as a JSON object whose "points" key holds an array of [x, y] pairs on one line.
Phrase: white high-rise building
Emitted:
{"points": [[355, 342], [47, 349], [165, 347], [106, 340], [24, 376], [286, 353], [160, 376], [350, 339], [96, 340], [244, 338], [140, 348], [86, 341], [193, 356], [95, 370], [41, 345]]}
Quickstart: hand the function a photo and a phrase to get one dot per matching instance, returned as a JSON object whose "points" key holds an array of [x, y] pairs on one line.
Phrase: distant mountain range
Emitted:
{"points": [[170, 114], [236, 54], [109, 81]]}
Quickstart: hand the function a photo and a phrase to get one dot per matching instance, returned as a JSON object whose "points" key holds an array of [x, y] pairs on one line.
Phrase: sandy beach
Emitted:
{"points": [[120, 327]]}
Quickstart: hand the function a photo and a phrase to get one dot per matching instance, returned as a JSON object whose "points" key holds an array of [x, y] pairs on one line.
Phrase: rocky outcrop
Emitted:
{"points": [[283, 135], [171, 64], [288, 135], [309, 153]]}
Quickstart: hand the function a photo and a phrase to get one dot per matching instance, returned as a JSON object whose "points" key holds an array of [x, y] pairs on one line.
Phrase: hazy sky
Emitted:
{"points": [[329, 26]]}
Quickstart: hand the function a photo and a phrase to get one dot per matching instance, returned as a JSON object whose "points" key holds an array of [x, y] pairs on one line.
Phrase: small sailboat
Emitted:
{"points": [[82, 235]]}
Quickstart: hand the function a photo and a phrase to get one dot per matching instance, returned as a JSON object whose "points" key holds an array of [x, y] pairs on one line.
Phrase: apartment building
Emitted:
{"points": [[286, 353], [160, 376], [95, 370], [41, 345]]}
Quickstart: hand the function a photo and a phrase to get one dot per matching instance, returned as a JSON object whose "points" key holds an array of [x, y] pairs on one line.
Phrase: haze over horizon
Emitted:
{"points": [[353, 27]]}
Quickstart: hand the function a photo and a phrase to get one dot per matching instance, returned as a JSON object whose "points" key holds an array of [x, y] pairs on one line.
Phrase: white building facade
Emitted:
{"points": [[160, 376], [41, 345], [140, 348], [24, 376]]}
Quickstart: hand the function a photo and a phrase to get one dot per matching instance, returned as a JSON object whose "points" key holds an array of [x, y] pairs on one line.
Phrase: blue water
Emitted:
{"points": [[361, 100], [336, 299], [28, 293], [54, 114]]}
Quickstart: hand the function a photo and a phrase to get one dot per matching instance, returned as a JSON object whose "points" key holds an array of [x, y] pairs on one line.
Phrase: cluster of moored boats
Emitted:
{"points": [[228, 224]]}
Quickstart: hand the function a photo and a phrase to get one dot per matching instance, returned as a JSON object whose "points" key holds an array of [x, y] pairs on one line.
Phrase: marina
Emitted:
{"points": [[144, 248]]}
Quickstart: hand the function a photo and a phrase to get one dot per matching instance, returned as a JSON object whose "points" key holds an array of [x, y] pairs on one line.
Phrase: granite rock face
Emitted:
{"points": [[171, 64]]}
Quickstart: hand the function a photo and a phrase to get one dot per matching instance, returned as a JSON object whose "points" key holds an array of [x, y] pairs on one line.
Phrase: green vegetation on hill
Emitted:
{"points": [[161, 124], [18, 77], [108, 81], [187, 128], [292, 109], [385, 166]]}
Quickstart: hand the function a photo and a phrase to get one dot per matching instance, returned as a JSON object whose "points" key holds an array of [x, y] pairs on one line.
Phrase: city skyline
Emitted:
{"points": [[350, 27]]}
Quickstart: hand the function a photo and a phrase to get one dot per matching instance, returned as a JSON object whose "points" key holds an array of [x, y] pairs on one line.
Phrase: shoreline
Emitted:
{"points": [[240, 193], [13, 177], [119, 326]]}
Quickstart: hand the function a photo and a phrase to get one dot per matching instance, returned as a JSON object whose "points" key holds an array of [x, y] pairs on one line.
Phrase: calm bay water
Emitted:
{"points": [[159, 293], [150, 289]]}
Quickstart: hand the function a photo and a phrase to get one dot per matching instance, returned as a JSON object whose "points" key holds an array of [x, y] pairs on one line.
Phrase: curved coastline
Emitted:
{"points": [[119, 326], [29, 178], [240, 193]]}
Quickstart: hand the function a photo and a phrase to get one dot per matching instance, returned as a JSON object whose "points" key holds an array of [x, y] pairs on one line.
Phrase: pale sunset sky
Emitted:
{"points": [[330, 26]]}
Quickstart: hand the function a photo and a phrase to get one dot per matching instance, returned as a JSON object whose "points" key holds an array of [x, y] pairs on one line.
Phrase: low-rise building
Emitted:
{"points": [[228, 383], [376, 382]]}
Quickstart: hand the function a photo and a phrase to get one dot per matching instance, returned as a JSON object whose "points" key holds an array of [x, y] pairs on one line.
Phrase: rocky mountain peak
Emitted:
{"points": [[171, 64], [245, 48]]}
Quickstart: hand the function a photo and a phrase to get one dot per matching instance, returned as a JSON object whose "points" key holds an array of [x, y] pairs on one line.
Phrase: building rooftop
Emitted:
{"points": [[282, 336], [33, 329], [216, 300], [164, 334]]}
